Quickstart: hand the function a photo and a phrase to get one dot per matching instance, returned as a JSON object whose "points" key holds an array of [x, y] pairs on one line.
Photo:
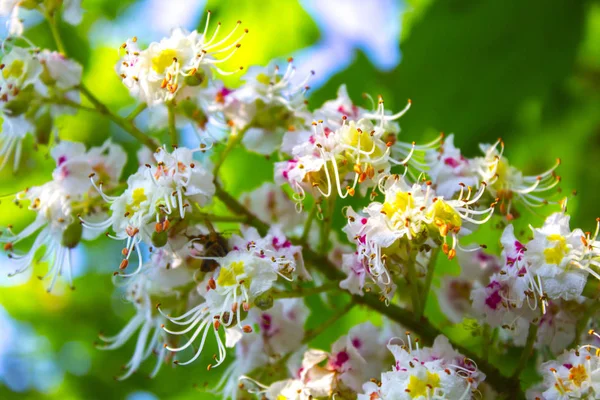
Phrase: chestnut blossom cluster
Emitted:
{"points": [[35, 85], [247, 282]]}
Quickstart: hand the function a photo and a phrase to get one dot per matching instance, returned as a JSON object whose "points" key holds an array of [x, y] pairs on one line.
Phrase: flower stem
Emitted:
{"points": [[55, 33], [415, 293], [234, 139], [308, 223], [136, 111], [172, 124], [327, 222], [428, 280], [313, 333], [125, 124], [527, 350], [303, 292]]}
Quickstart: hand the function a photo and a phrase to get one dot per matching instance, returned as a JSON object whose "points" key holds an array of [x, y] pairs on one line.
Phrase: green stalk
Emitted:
{"points": [[172, 125], [302, 292], [234, 140], [125, 124], [136, 111], [527, 350], [428, 280], [308, 223], [415, 294], [327, 222], [55, 34]]}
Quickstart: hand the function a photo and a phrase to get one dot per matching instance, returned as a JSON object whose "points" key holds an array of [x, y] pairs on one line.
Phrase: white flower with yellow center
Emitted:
{"points": [[411, 217], [273, 104], [561, 258], [573, 375], [155, 195], [508, 184], [244, 274], [56, 226], [156, 74], [423, 374]]}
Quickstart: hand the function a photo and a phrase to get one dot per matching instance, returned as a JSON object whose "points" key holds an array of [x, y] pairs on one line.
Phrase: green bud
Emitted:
{"points": [[264, 301], [159, 239], [72, 235], [195, 80], [43, 128]]}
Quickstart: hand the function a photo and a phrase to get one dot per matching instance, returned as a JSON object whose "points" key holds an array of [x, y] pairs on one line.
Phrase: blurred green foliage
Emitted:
{"points": [[528, 72]]}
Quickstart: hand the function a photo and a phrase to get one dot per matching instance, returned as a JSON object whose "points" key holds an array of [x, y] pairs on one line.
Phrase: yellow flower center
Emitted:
{"points": [[14, 70], [137, 198], [421, 387], [445, 217], [363, 141], [163, 60], [228, 275], [578, 375], [401, 203], [555, 255]]}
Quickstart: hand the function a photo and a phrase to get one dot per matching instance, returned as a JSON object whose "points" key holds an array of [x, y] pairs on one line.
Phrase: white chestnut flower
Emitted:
{"points": [[156, 74], [247, 271], [158, 281], [411, 219], [155, 195], [438, 372], [56, 227], [508, 184]]}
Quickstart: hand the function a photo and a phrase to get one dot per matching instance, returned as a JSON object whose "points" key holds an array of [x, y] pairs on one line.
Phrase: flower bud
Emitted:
{"points": [[264, 301], [159, 239], [72, 235], [197, 79]]}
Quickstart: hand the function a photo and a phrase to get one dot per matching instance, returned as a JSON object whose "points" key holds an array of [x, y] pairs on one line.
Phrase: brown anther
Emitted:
{"points": [[247, 329], [124, 264], [124, 252], [158, 228], [166, 224], [8, 246], [212, 284]]}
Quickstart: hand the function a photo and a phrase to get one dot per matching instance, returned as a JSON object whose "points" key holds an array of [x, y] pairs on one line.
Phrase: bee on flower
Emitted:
{"points": [[156, 74], [56, 227], [246, 272], [156, 195]]}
